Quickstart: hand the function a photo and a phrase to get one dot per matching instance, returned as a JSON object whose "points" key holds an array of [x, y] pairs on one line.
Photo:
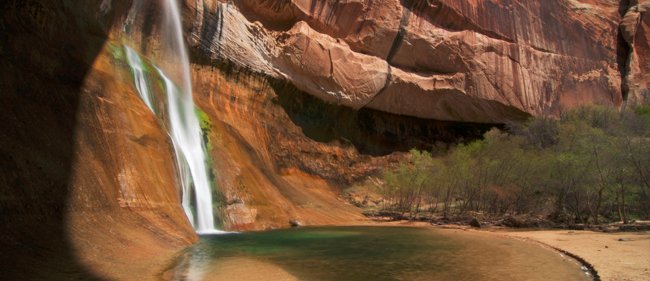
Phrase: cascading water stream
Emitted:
{"points": [[182, 121]]}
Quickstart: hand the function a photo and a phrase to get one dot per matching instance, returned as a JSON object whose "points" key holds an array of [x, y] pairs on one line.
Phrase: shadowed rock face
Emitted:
{"points": [[483, 61], [268, 171], [635, 31], [282, 155], [329, 89], [87, 182], [305, 91]]}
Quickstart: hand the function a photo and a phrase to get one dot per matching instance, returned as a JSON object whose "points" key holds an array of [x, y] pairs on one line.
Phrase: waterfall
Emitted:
{"points": [[139, 77], [180, 118]]}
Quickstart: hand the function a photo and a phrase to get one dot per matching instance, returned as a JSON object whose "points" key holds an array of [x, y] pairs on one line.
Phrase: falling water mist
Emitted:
{"points": [[180, 115]]}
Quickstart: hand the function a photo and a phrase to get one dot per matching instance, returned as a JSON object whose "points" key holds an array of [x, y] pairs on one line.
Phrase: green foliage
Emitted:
{"points": [[591, 165], [204, 119], [117, 52], [644, 112], [206, 126], [542, 132], [404, 186], [218, 199]]}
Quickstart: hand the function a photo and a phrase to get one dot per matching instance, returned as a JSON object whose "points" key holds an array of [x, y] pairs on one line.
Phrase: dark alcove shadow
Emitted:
{"points": [[623, 50], [46, 50], [370, 131]]}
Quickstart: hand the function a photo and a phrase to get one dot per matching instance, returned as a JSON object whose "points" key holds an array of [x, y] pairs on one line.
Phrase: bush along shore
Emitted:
{"points": [[587, 169], [524, 222]]}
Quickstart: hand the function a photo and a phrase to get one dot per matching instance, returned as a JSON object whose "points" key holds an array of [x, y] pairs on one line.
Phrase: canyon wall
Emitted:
{"points": [[268, 173], [281, 156], [304, 98], [482, 61], [322, 94], [87, 182], [635, 29]]}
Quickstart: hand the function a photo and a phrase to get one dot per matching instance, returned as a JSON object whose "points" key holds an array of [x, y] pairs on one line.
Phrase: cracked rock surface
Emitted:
{"points": [[483, 61]]}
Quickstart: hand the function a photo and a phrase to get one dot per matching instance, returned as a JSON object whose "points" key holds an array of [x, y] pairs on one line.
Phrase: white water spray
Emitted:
{"points": [[139, 77], [183, 124], [185, 128]]}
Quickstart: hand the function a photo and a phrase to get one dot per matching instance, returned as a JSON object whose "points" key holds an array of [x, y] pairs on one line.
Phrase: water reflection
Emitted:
{"points": [[370, 253]]}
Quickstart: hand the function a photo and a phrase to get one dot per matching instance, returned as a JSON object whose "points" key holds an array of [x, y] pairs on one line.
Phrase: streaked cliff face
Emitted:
{"points": [[281, 154], [307, 98], [480, 61], [87, 174], [333, 90], [635, 32], [304, 97]]}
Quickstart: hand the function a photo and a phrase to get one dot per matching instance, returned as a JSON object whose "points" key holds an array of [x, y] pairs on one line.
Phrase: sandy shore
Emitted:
{"points": [[615, 256], [619, 256]]}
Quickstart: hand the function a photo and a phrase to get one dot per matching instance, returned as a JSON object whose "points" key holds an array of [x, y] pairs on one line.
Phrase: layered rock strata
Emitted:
{"points": [[482, 61], [310, 90]]}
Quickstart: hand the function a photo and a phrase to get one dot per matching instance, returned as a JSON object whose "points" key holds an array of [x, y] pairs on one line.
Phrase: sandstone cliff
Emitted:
{"points": [[481, 61], [282, 155], [305, 91], [87, 182], [635, 29], [304, 98]]}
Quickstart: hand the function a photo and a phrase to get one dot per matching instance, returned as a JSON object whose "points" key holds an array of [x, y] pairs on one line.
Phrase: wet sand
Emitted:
{"points": [[619, 256]]}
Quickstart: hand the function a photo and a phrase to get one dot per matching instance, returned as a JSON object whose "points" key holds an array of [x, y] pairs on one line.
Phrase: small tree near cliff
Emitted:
{"points": [[404, 187]]}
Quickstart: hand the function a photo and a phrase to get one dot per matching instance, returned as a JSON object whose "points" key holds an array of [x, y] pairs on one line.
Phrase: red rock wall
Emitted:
{"points": [[87, 181], [635, 30], [481, 61], [477, 61], [268, 172]]}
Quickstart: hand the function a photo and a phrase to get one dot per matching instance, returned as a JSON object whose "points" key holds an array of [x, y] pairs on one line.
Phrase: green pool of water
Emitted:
{"points": [[370, 254]]}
